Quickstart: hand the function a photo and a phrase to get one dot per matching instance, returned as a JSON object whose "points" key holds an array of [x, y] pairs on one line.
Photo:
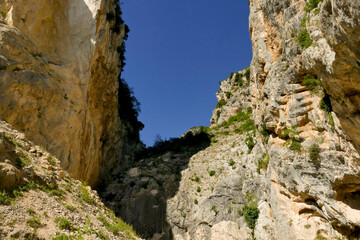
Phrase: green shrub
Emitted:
{"points": [[231, 162], [247, 75], [250, 143], [4, 198], [198, 189], [331, 121], [71, 208], [231, 75], [60, 236], [251, 214], [117, 226], [221, 103], [31, 211], [314, 152], [325, 104], [195, 179], [228, 95], [212, 173], [34, 222], [263, 162], [52, 161], [295, 145], [290, 133], [85, 194], [311, 5], [239, 80], [213, 208], [304, 39], [196, 201], [64, 224], [264, 131]]}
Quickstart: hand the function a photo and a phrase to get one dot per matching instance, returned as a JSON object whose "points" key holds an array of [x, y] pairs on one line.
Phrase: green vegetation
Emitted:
{"points": [[196, 201], [34, 222], [228, 95], [195, 179], [304, 39], [231, 162], [312, 4], [85, 194], [31, 212], [231, 75], [247, 75], [4, 198], [311, 82], [60, 236], [239, 117], [212, 173], [249, 140], [117, 226], [263, 162], [239, 80], [291, 137], [64, 224], [51, 160], [197, 139], [314, 152], [251, 214], [221, 103], [3, 12], [71, 208], [295, 145], [213, 208], [264, 131], [325, 104], [320, 237], [198, 189]]}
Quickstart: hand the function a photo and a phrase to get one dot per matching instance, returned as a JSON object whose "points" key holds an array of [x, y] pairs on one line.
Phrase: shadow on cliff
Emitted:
{"points": [[139, 196]]}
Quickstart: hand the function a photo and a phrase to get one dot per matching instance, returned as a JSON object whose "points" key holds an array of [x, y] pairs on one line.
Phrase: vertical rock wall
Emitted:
{"points": [[59, 68]]}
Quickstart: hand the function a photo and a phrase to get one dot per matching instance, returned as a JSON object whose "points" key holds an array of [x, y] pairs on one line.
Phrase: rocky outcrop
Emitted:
{"points": [[283, 162], [59, 67], [38, 199]]}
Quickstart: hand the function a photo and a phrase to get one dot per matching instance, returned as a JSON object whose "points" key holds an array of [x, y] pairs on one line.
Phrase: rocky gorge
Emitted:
{"points": [[280, 159]]}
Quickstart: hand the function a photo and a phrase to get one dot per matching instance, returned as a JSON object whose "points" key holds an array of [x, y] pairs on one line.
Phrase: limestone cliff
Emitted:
{"points": [[283, 161], [59, 68]]}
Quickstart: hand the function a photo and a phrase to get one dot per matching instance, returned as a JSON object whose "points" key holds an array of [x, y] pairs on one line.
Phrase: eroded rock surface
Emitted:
{"points": [[283, 162], [59, 67]]}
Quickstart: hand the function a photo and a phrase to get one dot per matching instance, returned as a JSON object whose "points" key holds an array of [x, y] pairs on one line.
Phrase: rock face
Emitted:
{"points": [[59, 67], [284, 161]]}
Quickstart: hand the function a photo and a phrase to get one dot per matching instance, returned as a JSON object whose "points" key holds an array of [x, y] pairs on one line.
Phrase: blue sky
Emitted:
{"points": [[177, 52]]}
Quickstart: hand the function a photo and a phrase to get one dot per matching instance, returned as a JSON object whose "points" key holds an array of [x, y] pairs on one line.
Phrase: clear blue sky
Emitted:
{"points": [[177, 52]]}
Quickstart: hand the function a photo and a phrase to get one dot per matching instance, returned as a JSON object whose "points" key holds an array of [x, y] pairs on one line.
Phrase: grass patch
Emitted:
{"points": [[198, 189], [71, 208], [250, 143], [221, 103], [311, 82], [312, 4], [231, 162], [4, 198], [247, 75], [63, 223], [34, 222], [239, 80], [51, 160], [84, 194], [304, 39], [196, 201], [212, 173], [228, 95], [314, 152], [117, 226], [263, 162], [295, 145]]}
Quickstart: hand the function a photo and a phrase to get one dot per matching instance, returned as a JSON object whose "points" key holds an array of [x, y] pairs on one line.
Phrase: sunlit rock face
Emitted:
{"points": [[59, 67], [287, 166]]}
